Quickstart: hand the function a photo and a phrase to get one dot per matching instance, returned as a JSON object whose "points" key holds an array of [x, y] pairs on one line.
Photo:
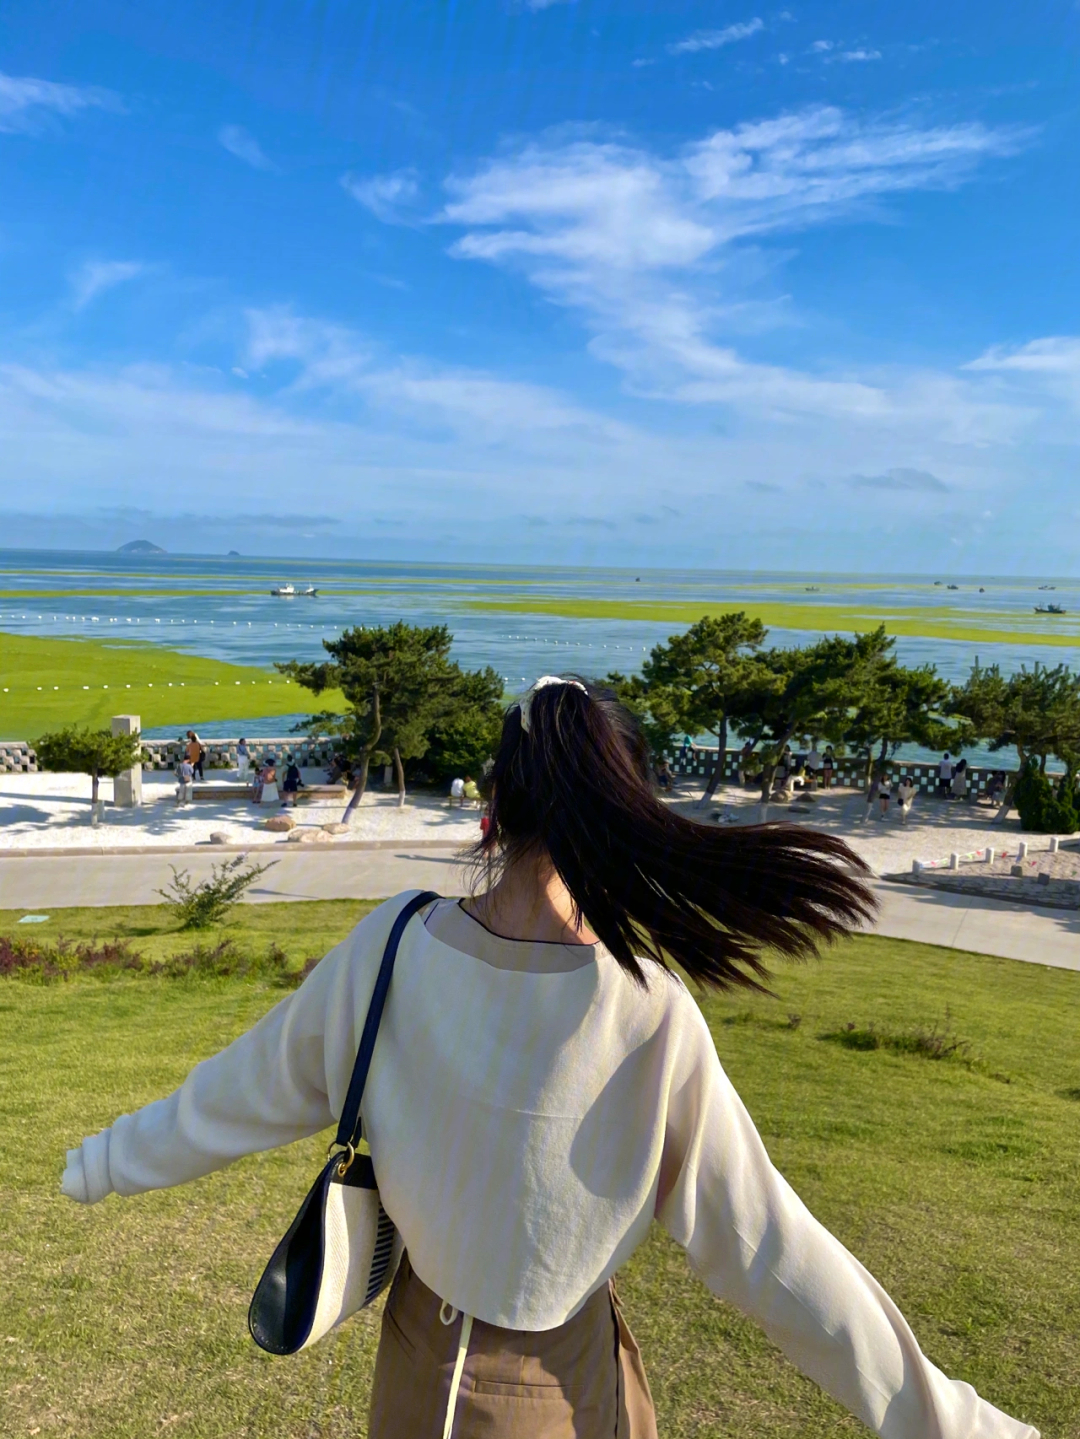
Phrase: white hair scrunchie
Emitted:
{"points": [[525, 704]]}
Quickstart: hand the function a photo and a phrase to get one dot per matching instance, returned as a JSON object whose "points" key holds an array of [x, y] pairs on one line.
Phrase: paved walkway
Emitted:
{"points": [[983, 926], [38, 881]]}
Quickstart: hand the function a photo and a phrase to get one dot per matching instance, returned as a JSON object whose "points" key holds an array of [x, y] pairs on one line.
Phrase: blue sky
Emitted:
{"points": [[719, 284]]}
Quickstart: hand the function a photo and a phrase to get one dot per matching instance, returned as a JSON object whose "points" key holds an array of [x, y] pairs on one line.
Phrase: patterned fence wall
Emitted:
{"points": [[17, 757], [849, 772], [697, 762]]}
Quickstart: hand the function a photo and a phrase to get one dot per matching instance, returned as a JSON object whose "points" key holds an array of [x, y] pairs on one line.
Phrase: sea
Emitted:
{"points": [[222, 607]]}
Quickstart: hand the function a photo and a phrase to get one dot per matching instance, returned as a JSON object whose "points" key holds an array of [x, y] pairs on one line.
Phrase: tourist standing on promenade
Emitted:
{"points": [[524, 1166], [945, 774], [814, 764], [292, 785], [185, 773], [828, 764], [243, 759], [905, 796], [195, 753], [959, 785]]}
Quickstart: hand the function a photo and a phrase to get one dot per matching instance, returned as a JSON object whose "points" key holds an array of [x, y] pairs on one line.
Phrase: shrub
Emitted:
{"points": [[43, 962], [199, 906], [1041, 810], [34, 959]]}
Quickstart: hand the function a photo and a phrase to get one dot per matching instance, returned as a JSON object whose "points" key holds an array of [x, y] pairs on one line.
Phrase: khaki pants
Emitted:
{"points": [[583, 1380]]}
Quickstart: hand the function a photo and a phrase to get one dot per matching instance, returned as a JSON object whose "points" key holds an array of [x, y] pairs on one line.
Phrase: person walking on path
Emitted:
{"points": [[872, 792], [292, 785], [457, 793], [522, 1168], [243, 760]]}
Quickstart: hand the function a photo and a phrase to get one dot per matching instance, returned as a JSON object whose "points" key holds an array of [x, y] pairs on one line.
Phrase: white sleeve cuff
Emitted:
{"points": [[86, 1178], [73, 1183]]}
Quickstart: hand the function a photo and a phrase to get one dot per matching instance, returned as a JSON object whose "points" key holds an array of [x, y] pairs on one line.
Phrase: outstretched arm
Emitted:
{"points": [[282, 1080], [754, 1243]]}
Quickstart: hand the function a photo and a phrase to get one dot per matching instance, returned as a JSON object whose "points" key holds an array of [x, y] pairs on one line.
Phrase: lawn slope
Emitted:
{"points": [[956, 1181]]}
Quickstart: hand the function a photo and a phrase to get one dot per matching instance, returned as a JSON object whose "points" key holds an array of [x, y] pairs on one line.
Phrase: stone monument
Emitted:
{"points": [[127, 786]]}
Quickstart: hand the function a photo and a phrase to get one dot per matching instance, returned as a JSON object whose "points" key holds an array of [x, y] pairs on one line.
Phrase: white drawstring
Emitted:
{"points": [[447, 1314]]}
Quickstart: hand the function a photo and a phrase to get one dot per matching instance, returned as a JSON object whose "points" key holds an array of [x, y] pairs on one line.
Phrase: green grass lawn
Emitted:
{"points": [[960, 1191], [996, 627], [47, 683]]}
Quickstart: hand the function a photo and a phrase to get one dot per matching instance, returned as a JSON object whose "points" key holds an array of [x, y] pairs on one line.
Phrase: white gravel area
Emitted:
{"points": [[52, 812], [935, 828]]}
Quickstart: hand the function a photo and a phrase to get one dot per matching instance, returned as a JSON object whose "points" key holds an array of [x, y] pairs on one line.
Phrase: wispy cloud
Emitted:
{"points": [[850, 56], [25, 103], [391, 198], [901, 478], [545, 4], [821, 47], [473, 403], [244, 146], [95, 276], [716, 39], [1056, 355], [640, 244]]}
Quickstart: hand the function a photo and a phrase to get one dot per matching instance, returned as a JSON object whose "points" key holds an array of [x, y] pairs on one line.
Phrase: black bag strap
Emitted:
{"points": [[349, 1123]]}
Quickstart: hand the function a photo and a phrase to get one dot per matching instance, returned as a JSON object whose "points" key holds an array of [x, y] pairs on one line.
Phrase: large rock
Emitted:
{"points": [[336, 828], [309, 836], [280, 823], [220, 837]]}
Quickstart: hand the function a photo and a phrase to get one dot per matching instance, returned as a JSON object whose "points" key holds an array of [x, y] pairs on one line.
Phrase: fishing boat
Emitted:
{"points": [[288, 592], [952, 587], [812, 589], [1048, 587], [1050, 610]]}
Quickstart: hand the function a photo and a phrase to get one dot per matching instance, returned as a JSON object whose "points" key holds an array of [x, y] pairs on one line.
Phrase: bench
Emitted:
{"points": [[244, 791]]}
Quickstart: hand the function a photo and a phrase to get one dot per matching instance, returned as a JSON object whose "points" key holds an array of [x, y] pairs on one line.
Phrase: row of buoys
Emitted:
{"points": [[116, 619], [162, 684]]}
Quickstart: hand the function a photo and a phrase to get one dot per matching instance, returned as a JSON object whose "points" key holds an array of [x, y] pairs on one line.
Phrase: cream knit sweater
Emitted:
{"points": [[530, 1111]]}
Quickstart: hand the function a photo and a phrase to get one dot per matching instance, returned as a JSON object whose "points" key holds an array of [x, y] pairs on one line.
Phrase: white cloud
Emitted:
{"points": [[857, 55], [716, 39], [1056, 355], [390, 198], [546, 4], [95, 276], [244, 146], [25, 102], [821, 47], [642, 246], [475, 404]]}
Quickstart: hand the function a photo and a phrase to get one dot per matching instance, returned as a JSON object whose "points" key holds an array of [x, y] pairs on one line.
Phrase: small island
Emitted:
{"points": [[233, 555], [140, 547]]}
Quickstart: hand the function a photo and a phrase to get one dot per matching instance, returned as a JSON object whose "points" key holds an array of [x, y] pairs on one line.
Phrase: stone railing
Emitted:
{"points": [[17, 757], [849, 772]]}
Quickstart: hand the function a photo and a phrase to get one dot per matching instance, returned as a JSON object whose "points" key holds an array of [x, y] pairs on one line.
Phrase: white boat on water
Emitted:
{"points": [[287, 592]]}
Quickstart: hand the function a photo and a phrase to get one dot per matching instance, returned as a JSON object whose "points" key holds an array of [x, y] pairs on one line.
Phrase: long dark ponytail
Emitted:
{"points": [[575, 786]]}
